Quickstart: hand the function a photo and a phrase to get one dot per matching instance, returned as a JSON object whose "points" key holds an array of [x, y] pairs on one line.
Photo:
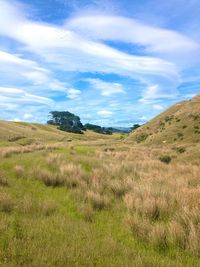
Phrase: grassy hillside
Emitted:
{"points": [[180, 123], [100, 203], [31, 133]]}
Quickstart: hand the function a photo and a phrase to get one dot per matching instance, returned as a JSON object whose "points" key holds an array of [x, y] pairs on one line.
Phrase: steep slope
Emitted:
{"points": [[179, 123]]}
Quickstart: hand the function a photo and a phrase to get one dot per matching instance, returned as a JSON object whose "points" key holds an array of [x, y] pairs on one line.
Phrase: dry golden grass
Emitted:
{"points": [[98, 202], [8, 151], [6, 204], [3, 180], [162, 201], [19, 171]]}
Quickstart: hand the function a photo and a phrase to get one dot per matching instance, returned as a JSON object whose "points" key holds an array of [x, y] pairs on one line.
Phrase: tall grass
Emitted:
{"points": [[161, 201]]}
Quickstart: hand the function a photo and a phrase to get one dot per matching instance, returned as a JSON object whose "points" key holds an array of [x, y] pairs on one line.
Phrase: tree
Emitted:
{"points": [[98, 129], [134, 127], [66, 121]]}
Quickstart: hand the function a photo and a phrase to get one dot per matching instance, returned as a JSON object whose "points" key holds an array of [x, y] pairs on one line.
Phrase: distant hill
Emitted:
{"points": [[23, 133], [179, 123], [121, 129]]}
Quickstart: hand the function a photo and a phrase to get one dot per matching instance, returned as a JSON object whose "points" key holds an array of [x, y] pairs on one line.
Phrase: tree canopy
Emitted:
{"points": [[66, 121], [135, 126], [98, 129]]}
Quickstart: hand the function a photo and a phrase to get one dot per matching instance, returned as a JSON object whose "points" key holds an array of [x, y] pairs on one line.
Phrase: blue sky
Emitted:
{"points": [[113, 63]]}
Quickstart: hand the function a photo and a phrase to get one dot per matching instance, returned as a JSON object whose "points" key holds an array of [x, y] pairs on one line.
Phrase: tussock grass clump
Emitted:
{"points": [[49, 178], [72, 174], [48, 207], [8, 151], [87, 213], [54, 159], [19, 171], [177, 234], [140, 226], [146, 204], [30, 205], [6, 204], [158, 236], [27, 205], [98, 202], [69, 175], [119, 188], [3, 180], [189, 220]]}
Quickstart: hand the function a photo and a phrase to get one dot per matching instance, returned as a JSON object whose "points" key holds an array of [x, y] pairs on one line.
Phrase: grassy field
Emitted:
{"points": [[97, 201]]}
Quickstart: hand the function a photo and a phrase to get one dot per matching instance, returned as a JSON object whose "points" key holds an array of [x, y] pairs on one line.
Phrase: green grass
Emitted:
{"points": [[30, 237]]}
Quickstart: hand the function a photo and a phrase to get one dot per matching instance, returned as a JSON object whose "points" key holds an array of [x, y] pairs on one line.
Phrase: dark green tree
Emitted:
{"points": [[135, 126], [98, 129], [66, 121]]}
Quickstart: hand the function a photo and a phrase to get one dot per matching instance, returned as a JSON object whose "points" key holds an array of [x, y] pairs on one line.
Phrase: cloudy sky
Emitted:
{"points": [[112, 62]]}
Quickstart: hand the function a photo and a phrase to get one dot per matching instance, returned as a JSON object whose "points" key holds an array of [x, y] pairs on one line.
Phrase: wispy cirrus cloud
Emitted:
{"points": [[106, 88], [129, 30], [122, 58], [60, 45]]}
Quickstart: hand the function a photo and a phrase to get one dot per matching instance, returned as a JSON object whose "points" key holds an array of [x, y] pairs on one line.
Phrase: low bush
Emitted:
{"points": [[180, 149], [165, 158]]}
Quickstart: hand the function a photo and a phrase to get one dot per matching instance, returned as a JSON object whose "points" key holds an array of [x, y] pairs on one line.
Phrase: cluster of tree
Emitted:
{"points": [[66, 121], [135, 126], [69, 122], [98, 129]]}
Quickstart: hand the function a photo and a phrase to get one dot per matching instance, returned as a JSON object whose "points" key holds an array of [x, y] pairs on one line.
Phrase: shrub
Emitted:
{"points": [[142, 137], [165, 158], [180, 149], [180, 135]]}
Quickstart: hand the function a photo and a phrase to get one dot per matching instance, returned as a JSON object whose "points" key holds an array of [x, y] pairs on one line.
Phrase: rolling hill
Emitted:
{"points": [[23, 133], [180, 123]]}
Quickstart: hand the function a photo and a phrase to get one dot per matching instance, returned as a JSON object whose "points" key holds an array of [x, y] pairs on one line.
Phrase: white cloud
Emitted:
{"points": [[158, 107], [19, 96], [106, 88], [27, 116], [66, 50], [116, 28], [105, 113], [143, 118], [73, 93], [6, 90], [156, 92]]}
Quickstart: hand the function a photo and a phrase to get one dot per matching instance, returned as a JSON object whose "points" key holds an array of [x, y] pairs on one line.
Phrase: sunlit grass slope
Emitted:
{"points": [[180, 123], [30, 133]]}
